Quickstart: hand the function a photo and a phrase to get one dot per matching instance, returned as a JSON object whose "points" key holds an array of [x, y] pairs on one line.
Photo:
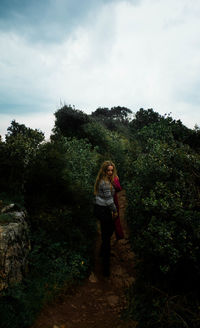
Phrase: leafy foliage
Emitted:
{"points": [[145, 118], [16, 154], [114, 119], [118, 112], [163, 214], [69, 121], [158, 163]]}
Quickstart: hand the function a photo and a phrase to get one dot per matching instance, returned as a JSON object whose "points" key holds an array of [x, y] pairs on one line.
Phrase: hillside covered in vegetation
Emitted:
{"points": [[158, 162]]}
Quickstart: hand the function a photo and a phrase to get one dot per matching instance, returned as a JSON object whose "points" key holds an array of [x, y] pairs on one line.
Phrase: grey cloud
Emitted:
{"points": [[41, 21], [189, 93], [47, 20]]}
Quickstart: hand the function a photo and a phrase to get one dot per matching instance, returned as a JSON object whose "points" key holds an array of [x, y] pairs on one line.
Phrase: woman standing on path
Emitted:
{"points": [[105, 209]]}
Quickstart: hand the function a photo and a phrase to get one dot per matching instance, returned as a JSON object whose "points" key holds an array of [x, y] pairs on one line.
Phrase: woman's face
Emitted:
{"points": [[109, 171]]}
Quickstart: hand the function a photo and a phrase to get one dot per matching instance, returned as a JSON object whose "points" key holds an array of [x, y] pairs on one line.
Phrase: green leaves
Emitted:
{"points": [[81, 164], [17, 153], [163, 214], [69, 121], [158, 164]]}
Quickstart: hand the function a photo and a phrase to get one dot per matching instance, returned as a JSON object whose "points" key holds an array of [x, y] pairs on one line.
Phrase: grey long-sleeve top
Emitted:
{"points": [[105, 195]]}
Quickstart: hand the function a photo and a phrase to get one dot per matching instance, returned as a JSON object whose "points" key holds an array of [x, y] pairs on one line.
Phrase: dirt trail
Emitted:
{"points": [[99, 301]]}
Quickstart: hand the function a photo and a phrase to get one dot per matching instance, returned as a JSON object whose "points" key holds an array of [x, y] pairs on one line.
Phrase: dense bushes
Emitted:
{"points": [[69, 121], [158, 164], [163, 214], [57, 188], [53, 267], [16, 155]]}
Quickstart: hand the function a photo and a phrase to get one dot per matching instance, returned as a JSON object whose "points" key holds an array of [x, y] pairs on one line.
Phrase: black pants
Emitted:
{"points": [[104, 215]]}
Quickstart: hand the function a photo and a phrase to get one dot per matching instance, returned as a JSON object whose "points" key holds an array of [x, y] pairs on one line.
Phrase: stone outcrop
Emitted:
{"points": [[14, 248]]}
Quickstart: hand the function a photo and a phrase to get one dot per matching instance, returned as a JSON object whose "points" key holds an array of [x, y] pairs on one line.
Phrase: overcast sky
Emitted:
{"points": [[98, 53]]}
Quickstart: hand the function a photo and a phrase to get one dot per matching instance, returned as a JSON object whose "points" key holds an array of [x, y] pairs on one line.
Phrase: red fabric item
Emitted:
{"points": [[118, 228]]}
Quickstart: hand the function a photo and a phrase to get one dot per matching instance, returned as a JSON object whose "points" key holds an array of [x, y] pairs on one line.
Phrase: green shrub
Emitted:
{"points": [[69, 121], [163, 215]]}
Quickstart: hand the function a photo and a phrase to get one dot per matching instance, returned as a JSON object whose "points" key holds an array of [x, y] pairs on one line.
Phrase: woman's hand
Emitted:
{"points": [[114, 215]]}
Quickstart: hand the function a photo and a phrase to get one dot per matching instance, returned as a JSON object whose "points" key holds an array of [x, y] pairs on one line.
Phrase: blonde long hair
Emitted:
{"points": [[102, 175]]}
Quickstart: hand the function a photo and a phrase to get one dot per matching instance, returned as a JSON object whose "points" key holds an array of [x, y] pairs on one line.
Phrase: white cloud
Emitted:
{"points": [[41, 121], [145, 55]]}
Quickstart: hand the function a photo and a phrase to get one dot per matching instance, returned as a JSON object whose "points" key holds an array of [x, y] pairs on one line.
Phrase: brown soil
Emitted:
{"points": [[98, 303]]}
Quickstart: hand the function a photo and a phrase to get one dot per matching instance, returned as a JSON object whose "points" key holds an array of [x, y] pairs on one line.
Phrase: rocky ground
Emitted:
{"points": [[98, 303]]}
